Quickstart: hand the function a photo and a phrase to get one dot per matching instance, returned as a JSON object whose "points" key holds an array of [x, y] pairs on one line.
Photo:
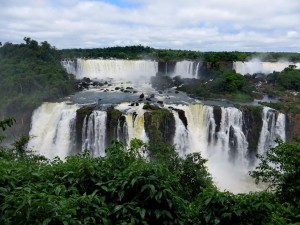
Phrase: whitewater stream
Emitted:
{"points": [[223, 140]]}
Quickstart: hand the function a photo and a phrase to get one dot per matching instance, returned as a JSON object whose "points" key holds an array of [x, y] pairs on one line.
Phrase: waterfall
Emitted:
{"points": [[53, 129], [229, 141], [271, 129], [130, 70], [256, 66], [94, 133], [225, 148], [135, 126], [231, 138], [70, 66], [181, 135], [280, 127], [186, 69], [219, 137], [200, 128]]}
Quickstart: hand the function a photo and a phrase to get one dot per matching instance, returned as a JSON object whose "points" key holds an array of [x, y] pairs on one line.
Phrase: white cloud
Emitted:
{"points": [[215, 25]]}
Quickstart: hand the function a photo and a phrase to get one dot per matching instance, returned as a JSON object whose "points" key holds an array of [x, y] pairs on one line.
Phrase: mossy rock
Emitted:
{"points": [[150, 107], [113, 117], [252, 124], [160, 125], [292, 127]]}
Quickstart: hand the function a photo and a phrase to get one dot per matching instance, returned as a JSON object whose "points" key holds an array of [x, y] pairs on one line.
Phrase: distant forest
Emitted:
{"points": [[141, 52]]}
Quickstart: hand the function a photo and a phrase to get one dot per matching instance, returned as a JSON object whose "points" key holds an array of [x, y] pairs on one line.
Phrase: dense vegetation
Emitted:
{"points": [[141, 52], [286, 86], [30, 73], [219, 84], [125, 188]]}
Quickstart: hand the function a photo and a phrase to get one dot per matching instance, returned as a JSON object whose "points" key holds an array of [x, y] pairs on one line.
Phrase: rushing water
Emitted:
{"points": [[53, 129], [223, 143], [94, 133], [136, 70], [271, 129], [187, 69], [220, 139], [130, 70], [257, 66]]}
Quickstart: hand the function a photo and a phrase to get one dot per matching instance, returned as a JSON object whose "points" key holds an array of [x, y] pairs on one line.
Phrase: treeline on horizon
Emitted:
{"points": [[145, 52]]}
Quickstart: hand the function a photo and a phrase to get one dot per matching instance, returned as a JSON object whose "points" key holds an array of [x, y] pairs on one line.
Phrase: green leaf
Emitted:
{"points": [[142, 213], [57, 190], [46, 221], [117, 208], [208, 201]]}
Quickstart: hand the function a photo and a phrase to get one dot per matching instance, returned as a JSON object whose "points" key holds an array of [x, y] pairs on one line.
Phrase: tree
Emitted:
{"points": [[280, 169], [6, 123]]}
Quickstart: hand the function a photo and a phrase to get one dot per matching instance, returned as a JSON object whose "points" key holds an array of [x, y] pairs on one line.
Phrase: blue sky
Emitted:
{"points": [[204, 25]]}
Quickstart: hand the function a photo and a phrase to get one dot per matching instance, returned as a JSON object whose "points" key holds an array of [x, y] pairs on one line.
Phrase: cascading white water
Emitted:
{"points": [[52, 129], [199, 119], [129, 70], [69, 65], [231, 138], [271, 129], [135, 126], [223, 144], [225, 149], [94, 133], [280, 127], [256, 66], [181, 135], [186, 69]]}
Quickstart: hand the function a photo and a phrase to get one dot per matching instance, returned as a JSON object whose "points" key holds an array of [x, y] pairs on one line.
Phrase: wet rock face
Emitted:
{"points": [[80, 115], [233, 143], [218, 117], [252, 124], [166, 67], [160, 125], [293, 126], [113, 117], [182, 117]]}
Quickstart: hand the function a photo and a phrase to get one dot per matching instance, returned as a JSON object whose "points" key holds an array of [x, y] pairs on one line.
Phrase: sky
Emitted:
{"points": [[201, 25]]}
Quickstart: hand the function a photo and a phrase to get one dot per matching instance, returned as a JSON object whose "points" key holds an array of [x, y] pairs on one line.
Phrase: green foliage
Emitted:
{"points": [[223, 84], [229, 82], [289, 78], [6, 123], [141, 52], [30, 73], [224, 208], [159, 125], [124, 188], [280, 169], [120, 188], [21, 143], [191, 171]]}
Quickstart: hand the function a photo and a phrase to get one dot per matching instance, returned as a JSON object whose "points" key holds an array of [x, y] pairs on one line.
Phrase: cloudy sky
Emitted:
{"points": [[204, 25]]}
